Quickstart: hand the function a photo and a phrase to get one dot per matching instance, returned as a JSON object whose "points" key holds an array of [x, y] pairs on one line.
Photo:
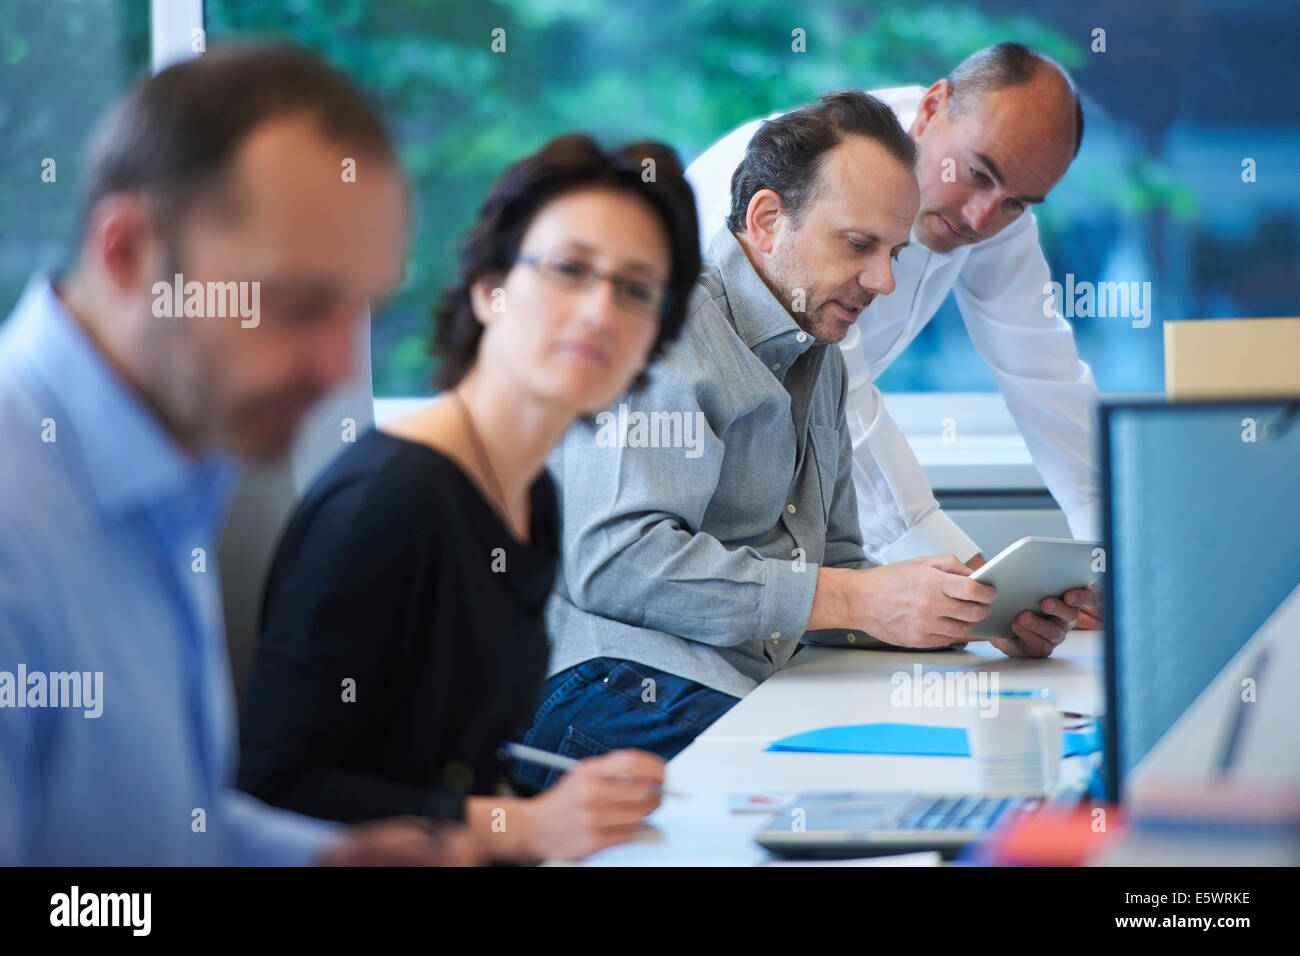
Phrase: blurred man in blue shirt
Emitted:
{"points": [[226, 255]]}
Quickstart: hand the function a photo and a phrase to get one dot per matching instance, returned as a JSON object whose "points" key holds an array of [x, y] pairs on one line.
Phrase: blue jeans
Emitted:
{"points": [[608, 704]]}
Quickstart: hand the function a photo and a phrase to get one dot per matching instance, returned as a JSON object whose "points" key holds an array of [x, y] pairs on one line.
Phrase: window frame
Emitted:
{"points": [[171, 30]]}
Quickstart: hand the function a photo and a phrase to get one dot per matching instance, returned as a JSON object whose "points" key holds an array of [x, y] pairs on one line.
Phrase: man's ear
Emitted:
{"points": [[122, 243], [763, 218], [933, 103], [487, 298]]}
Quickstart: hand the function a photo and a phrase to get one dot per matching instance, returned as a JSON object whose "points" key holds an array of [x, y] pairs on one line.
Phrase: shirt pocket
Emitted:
{"points": [[826, 455]]}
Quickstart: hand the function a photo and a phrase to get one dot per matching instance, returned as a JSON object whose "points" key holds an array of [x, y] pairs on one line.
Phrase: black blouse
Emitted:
{"points": [[402, 640]]}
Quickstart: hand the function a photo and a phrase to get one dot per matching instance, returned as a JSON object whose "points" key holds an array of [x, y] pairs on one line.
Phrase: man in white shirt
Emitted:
{"points": [[994, 138]]}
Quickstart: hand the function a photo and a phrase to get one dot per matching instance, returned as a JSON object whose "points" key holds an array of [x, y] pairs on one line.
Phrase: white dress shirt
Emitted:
{"points": [[998, 284]]}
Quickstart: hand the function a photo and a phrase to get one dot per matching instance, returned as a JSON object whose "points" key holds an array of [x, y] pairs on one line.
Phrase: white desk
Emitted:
{"points": [[823, 687]]}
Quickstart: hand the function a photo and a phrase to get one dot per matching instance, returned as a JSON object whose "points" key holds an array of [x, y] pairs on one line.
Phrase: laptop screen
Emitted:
{"points": [[1202, 544]]}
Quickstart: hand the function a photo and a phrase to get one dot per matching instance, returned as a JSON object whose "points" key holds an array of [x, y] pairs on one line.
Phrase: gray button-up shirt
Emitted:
{"points": [[697, 510]]}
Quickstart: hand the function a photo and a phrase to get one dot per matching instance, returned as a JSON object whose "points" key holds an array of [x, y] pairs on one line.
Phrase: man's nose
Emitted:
{"points": [[979, 211], [878, 277]]}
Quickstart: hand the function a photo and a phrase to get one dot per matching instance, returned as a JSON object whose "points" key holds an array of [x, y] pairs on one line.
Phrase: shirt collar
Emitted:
{"points": [[761, 321], [130, 459]]}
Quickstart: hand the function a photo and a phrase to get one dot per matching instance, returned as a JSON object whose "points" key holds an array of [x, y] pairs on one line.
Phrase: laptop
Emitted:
{"points": [[1162, 521], [852, 824]]}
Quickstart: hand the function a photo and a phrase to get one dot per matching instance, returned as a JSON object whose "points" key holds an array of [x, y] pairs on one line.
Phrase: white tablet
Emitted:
{"points": [[1028, 571]]}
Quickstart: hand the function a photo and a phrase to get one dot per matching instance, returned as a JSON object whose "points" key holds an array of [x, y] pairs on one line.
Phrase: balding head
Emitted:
{"points": [[994, 139], [1013, 66]]}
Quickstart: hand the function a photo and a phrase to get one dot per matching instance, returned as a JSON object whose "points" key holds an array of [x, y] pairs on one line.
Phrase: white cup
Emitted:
{"points": [[1015, 740]]}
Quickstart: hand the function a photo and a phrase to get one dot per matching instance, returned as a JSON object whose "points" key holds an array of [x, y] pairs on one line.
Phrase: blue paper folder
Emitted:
{"points": [[916, 739]]}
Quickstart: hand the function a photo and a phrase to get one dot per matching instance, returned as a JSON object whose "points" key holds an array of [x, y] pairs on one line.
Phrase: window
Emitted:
{"points": [[1183, 191], [1184, 183], [62, 62], [684, 73]]}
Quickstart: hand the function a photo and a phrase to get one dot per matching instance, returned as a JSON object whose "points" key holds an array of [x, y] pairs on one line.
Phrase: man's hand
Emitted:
{"points": [[1087, 622], [403, 841], [1037, 635], [1089, 611], [922, 602]]}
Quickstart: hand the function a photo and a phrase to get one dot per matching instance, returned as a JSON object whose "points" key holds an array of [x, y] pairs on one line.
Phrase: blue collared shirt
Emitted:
{"points": [[108, 550]]}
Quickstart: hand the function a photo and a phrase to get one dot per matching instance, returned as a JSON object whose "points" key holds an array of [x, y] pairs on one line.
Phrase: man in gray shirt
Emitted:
{"points": [[710, 519]]}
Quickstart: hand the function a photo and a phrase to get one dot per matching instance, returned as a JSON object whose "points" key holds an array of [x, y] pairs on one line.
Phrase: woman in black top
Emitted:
{"points": [[402, 637]]}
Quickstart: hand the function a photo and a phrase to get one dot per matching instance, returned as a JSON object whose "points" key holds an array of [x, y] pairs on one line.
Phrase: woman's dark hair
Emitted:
{"points": [[571, 162]]}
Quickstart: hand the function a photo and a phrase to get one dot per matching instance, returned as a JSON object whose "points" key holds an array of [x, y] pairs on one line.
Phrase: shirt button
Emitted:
{"points": [[776, 366], [801, 337], [791, 509], [776, 635], [852, 637]]}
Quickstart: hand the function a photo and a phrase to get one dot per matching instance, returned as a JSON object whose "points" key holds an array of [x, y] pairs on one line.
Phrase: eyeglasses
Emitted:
{"points": [[644, 299]]}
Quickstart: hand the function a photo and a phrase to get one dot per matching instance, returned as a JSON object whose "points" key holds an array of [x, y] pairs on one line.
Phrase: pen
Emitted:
{"points": [[555, 761]]}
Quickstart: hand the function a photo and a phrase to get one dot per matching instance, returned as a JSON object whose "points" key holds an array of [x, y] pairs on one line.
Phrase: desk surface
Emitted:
{"points": [[823, 687]]}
